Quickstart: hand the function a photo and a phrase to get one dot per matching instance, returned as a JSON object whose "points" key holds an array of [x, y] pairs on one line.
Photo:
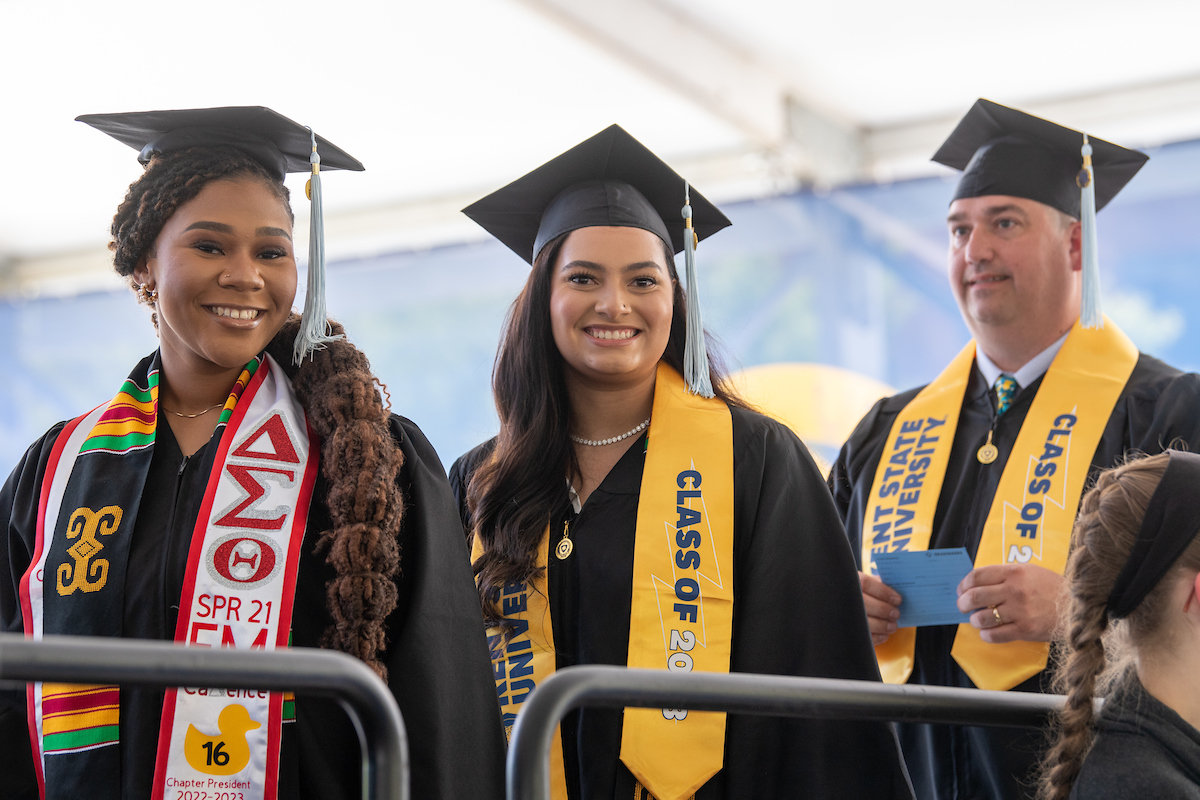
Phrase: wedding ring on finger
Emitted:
{"points": [[996, 614]]}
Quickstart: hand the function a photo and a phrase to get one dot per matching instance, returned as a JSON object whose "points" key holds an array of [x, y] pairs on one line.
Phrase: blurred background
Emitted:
{"points": [[811, 123]]}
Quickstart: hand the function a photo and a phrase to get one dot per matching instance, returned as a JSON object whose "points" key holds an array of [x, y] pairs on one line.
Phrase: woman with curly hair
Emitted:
{"points": [[1133, 636], [633, 512], [245, 488]]}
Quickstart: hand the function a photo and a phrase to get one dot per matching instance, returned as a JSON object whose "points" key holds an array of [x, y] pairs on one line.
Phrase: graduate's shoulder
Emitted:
{"points": [[878, 420], [1124, 763], [752, 424], [421, 461], [759, 436], [894, 404], [412, 440], [465, 465], [39, 451], [1152, 377]]}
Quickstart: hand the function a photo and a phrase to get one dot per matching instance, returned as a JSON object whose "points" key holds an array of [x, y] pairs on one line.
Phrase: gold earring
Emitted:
{"points": [[147, 296]]}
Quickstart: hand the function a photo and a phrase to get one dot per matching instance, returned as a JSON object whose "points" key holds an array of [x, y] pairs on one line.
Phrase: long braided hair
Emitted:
{"points": [[1098, 650], [513, 494], [359, 458]]}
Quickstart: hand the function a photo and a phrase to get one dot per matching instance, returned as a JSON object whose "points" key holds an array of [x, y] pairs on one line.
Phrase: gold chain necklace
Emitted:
{"points": [[191, 416]]}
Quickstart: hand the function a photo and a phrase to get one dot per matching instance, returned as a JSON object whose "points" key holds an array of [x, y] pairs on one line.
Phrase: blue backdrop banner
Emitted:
{"points": [[854, 278]]}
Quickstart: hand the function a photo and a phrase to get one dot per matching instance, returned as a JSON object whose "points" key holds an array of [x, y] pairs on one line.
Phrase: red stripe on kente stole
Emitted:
{"points": [[110, 696], [123, 413]]}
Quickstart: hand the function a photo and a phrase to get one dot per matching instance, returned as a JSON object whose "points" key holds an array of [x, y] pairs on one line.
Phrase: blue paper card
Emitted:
{"points": [[928, 581]]}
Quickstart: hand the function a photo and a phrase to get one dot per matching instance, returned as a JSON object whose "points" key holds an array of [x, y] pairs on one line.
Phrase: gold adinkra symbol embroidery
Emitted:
{"points": [[86, 574]]}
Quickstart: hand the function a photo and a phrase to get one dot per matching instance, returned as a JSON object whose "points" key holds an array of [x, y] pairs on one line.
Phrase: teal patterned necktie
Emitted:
{"points": [[1006, 390]]}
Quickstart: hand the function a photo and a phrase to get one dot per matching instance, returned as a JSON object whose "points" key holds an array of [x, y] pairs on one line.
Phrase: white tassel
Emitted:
{"points": [[1090, 315], [314, 322], [695, 353]]}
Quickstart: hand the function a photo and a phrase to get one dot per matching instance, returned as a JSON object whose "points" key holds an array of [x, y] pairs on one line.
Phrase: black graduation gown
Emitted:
{"points": [[797, 611], [1158, 406], [1143, 750], [437, 656]]}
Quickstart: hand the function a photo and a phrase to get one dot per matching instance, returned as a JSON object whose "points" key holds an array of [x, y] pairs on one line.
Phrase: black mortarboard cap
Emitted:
{"points": [[1005, 151], [610, 179], [273, 140]]}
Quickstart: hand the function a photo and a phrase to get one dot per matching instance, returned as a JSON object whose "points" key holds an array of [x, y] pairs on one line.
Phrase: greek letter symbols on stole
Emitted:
{"points": [[238, 592]]}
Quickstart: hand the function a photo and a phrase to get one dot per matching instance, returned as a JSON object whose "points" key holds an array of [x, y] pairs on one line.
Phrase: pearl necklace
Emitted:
{"points": [[612, 440]]}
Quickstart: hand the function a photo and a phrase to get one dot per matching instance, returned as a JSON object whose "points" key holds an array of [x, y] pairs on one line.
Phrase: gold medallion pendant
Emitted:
{"points": [[565, 545], [988, 453]]}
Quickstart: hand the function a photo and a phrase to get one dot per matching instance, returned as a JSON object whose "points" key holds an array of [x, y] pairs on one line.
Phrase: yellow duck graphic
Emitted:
{"points": [[227, 753]]}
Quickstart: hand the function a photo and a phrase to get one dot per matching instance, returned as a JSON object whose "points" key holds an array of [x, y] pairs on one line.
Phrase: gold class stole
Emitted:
{"points": [[1035, 504], [682, 609], [526, 657]]}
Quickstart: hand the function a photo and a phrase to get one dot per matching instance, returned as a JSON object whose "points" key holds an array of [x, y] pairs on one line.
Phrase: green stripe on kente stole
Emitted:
{"points": [[289, 710], [72, 740], [130, 388], [118, 443], [239, 387]]}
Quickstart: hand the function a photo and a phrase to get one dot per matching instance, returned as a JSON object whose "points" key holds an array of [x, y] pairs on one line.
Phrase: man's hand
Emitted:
{"points": [[883, 607], [1015, 602]]}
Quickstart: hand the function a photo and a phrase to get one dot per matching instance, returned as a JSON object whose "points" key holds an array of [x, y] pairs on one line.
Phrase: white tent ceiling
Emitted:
{"points": [[445, 100]]}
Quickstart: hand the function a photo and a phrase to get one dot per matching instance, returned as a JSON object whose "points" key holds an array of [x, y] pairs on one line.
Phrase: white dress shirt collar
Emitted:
{"points": [[1034, 369]]}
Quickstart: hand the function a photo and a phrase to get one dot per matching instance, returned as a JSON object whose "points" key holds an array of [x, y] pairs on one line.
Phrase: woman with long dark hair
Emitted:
{"points": [[632, 511], [1133, 636], [245, 488]]}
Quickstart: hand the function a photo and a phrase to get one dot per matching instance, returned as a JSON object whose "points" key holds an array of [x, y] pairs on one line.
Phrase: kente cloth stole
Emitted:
{"points": [[238, 587], [682, 606], [1034, 508]]}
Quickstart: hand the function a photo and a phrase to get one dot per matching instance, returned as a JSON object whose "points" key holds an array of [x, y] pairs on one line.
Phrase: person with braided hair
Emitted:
{"points": [[1133, 628], [245, 488]]}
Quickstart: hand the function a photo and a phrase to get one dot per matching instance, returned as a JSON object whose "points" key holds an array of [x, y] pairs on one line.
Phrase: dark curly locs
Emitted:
{"points": [[169, 181], [360, 461]]}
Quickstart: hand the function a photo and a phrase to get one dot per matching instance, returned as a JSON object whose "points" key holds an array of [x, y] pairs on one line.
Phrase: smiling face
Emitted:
{"points": [[225, 273], [1013, 263], [611, 295]]}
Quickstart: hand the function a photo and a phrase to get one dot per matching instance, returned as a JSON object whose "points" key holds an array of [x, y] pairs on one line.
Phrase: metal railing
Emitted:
{"points": [[365, 698], [528, 772]]}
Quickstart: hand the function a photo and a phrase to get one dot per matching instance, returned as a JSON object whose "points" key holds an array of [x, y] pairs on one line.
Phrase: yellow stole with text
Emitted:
{"points": [[682, 606], [1034, 508]]}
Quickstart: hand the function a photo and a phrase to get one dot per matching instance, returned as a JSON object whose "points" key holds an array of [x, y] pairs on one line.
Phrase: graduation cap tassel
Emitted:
{"points": [[314, 322], [695, 354], [1090, 315]]}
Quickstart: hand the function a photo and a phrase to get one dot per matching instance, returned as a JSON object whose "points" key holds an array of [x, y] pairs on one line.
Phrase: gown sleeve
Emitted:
{"points": [[18, 515], [438, 664], [844, 473], [1167, 419], [799, 611], [461, 472]]}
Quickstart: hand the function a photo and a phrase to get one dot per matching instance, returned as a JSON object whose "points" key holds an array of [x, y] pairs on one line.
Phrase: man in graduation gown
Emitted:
{"points": [[974, 459]]}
